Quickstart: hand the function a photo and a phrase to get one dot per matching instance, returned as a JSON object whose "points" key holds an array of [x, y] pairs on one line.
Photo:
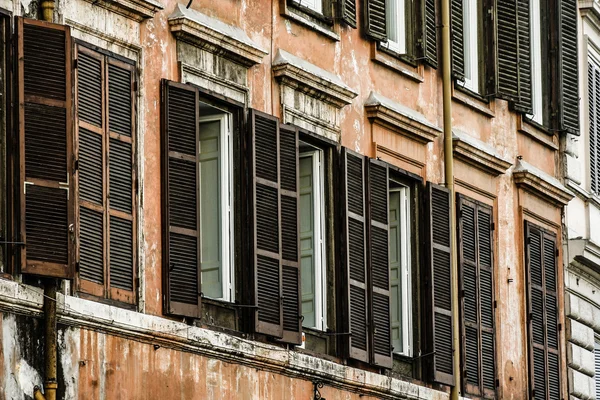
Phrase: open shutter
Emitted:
{"points": [[266, 223], [568, 67], [594, 123], [428, 40], [181, 277], [375, 19], [355, 229], [347, 12], [379, 266], [440, 284], [290, 251], [457, 35], [45, 136]]}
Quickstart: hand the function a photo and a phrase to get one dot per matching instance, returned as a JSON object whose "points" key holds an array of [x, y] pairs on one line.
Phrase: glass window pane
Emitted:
{"points": [[307, 242]]}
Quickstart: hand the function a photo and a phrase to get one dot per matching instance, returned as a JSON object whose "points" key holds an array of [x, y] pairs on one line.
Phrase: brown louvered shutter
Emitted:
{"points": [[375, 19], [355, 230], [290, 266], [544, 359], [428, 40], [266, 223], [347, 12], [45, 136], [457, 35], [568, 67], [477, 300], [514, 59], [594, 122], [439, 284], [379, 266], [181, 276]]}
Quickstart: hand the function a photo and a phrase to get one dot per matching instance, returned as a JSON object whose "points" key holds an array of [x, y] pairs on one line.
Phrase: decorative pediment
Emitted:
{"points": [[400, 119], [478, 154], [215, 36], [138, 10], [541, 184]]}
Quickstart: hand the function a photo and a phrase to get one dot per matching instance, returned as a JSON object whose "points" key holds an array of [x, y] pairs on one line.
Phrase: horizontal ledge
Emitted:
{"points": [[541, 184], [137, 10], [478, 153]]}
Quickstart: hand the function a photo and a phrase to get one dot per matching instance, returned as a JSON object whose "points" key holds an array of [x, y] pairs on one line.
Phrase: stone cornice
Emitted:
{"points": [[478, 154], [137, 10], [590, 9], [400, 119], [215, 36], [541, 184], [305, 77]]}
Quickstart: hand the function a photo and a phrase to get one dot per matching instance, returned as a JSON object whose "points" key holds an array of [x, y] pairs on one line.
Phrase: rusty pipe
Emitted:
{"points": [[51, 383], [47, 7]]}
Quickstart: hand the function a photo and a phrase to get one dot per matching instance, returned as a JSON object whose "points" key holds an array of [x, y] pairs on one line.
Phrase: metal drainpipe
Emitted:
{"points": [[47, 7], [51, 383], [449, 172]]}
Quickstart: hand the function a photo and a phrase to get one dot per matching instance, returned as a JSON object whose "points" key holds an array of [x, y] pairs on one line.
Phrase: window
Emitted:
{"points": [[314, 5], [400, 270], [471, 45], [397, 23], [594, 119], [105, 133], [312, 238], [536, 62]]}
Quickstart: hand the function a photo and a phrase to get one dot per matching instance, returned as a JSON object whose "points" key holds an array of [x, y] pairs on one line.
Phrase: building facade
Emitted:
{"points": [[246, 199]]}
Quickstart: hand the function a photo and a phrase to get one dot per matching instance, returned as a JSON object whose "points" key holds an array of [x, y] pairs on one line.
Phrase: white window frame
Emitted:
{"points": [[471, 44], [227, 229], [396, 14], [406, 270], [536, 64], [319, 228], [315, 5]]}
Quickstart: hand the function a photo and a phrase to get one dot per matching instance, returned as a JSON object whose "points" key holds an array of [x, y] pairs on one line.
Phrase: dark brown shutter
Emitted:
{"points": [[375, 19], [355, 231], [347, 12], [544, 359], [45, 136], [290, 265], [568, 67], [594, 122], [379, 266], [440, 285], [477, 300], [428, 40], [181, 275], [266, 184], [458, 51], [514, 59]]}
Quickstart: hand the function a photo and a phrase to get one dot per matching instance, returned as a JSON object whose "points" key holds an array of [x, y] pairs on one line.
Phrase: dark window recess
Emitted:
{"points": [[45, 180], [542, 309], [475, 254], [106, 175]]}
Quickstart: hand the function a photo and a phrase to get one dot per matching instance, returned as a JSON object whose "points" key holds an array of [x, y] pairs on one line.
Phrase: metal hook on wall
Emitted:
{"points": [[317, 394]]}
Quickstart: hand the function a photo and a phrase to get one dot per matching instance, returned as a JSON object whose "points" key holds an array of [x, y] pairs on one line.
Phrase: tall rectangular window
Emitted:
{"points": [[312, 238], [400, 271], [396, 25], [471, 44], [536, 62]]}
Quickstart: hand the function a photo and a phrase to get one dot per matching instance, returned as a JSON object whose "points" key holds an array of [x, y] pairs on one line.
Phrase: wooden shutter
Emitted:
{"points": [[181, 273], [568, 67], [266, 236], [477, 300], [457, 35], [597, 367], [290, 249], [355, 260], [375, 19], [594, 122], [440, 284], [347, 12], [543, 326], [428, 40], [379, 265], [45, 136], [514, 48]]}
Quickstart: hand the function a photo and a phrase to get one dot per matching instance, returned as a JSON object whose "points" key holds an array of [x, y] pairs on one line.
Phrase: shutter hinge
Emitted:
{"points": [[495, 304], [556, 252], [462, 293], [497, 383], [75, 164], [559, 327], [493, 226], [135, 86], [77, 267], [528, 240], [75, 62]]}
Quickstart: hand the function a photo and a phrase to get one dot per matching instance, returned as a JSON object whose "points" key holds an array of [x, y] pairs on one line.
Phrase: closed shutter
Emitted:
{"points": [[428, 42], [290, 252], [514, 48], [568, 67], [458, 51], [181, 277], [266, 184], [594, 121], [597, 367], [355, 230], [477, 299], [379, 266], [45, 136], [439, 285], [544, 359], [347, 12], [375, 19]]}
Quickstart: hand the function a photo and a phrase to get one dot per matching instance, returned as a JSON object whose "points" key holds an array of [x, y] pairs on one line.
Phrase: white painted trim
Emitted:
{"points": [[471, 45], [396, 18], [536, 63]]}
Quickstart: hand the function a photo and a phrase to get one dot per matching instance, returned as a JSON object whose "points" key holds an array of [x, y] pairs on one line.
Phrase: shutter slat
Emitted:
{"points": [[375, 20], [429, 29], [91, 257], [121, 253], [90, 166], [120, 177], [119, 100], [89, 89], [568, 68], [347, 12], [458, 52]]}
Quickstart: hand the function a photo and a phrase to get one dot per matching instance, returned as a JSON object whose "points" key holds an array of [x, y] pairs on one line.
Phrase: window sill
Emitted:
{"points": [[537, 132], [396, 62], [473, 101], [319, 25], [110, 302]]}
